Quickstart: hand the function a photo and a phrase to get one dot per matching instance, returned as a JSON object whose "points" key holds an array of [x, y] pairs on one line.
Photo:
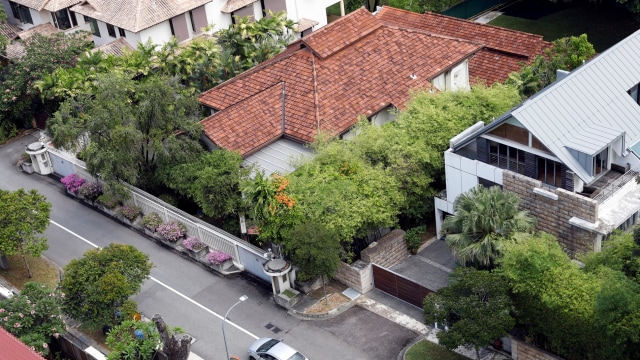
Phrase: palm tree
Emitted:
{"points": [[484, 218]]}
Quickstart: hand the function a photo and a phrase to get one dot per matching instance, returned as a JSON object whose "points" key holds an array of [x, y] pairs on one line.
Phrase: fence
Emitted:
{"points": [[214, 237]]}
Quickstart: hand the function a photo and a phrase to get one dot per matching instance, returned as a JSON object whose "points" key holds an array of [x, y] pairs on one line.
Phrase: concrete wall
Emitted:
{"points": [[358, 276], [553, 208], [388, 251], [523, 351]]}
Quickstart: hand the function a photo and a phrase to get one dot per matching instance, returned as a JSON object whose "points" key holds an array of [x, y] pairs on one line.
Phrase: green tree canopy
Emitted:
{"points": [[23, 216], [33, 316], [475, 307], [212, 180], [99, 284], [128, 130], [485, 218]]}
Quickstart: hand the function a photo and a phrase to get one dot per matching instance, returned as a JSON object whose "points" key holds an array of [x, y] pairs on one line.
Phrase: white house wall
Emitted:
{"points": [[219, 19], [159, 34], [309, 9]]}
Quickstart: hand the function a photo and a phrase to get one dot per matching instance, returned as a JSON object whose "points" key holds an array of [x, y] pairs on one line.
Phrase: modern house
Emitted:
{"points": [[360, 65], [571, 152], [157, 20]]}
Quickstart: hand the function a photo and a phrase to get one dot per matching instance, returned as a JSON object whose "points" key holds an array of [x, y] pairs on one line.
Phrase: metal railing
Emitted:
{"points": [[615, 185]]}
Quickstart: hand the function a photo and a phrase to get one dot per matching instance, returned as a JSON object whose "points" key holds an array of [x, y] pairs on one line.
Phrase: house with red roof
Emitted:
{"points": [[12, 348], [360, 65]]}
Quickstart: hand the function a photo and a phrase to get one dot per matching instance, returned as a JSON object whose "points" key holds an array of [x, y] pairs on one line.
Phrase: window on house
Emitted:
{"points": [[600, 162], [61, 19], [549, 171], [122, 32], [506, 157], [512, 132], [21, 12], [111, 30], [72, 15], [193, 24], [93, 23], [173, 33], [634, 93]]}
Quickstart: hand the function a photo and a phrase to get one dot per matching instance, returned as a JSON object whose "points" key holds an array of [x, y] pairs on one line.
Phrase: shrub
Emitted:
{"points": [[25, 158], [413, 237], [91, 190], [72, 182], [151, 221], [193, 243], [217, 257], [130, 212], [108, 201], [172, 231]]}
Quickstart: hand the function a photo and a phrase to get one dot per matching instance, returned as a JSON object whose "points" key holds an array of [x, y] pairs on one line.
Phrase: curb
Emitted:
{"points": [[321, 316]]}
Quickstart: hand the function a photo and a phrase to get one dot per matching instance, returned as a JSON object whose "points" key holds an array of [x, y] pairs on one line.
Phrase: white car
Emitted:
{"points": [[272, 349]]}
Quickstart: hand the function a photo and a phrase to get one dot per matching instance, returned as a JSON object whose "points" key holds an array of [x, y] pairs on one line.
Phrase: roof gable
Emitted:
{"points": [[14, 349]]}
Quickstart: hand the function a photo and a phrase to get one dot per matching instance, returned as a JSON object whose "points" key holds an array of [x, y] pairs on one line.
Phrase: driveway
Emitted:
{"points": [[430, 267]]}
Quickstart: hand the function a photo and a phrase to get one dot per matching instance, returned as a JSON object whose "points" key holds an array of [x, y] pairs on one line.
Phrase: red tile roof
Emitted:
{"points": [[357, 65], [14, 349]]}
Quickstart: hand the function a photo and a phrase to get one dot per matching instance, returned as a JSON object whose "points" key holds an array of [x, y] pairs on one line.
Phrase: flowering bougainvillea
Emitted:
{"points": [[193, 243], [90, 190], [172, 231], [217, 257], [34, 316], [72, 182], [130, 212]]}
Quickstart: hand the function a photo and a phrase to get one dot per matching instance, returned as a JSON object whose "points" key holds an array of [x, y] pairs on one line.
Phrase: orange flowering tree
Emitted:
{"points": [[272, 206]]}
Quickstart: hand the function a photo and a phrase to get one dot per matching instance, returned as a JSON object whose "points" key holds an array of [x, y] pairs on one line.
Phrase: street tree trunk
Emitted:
{"points": [[176, 346]]}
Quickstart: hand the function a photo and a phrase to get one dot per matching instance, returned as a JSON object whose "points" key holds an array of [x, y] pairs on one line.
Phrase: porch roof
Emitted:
{"points": [[592, 138]]}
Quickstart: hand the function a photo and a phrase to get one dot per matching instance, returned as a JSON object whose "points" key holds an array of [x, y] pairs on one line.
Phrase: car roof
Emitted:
{"points": [[282, 351]]}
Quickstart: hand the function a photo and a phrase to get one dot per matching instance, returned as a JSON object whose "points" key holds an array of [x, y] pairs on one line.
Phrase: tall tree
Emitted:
{"points": [[475, 307], [129, 130], [99, 284], [315, 250], [484, 219], [23, 216]]}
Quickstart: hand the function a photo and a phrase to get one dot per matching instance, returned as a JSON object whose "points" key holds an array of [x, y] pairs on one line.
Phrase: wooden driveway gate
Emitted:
{"points": [[399, 286]]}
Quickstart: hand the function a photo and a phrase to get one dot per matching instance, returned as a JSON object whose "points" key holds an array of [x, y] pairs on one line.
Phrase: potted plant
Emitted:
{"points": [[219, 259], [108, 203], [72, 183], [130, 213], [413, 238], [172, 231], [90, 190], [196, 247], [25, 163], [151, 221]]}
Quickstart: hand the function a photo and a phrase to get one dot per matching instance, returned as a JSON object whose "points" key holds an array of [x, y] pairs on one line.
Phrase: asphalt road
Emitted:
{"points": [[196, 300]]}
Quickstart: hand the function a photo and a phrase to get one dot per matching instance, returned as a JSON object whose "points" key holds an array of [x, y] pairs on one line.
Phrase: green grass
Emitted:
{"points": [[426, 350], [604, 26]]}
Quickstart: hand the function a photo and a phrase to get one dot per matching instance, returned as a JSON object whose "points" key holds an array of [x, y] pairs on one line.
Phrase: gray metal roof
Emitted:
{"points": [[279, 157], [589, 108]]}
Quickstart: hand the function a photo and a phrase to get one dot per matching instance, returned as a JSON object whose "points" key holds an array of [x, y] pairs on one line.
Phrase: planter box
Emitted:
{"points": [[106, 210], [198, 255], [221, 267], [27, 167], [309, 286], [149, 232]]}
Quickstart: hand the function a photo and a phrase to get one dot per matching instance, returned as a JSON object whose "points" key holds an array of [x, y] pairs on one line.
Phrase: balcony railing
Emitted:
{"points": [[608, 190]]}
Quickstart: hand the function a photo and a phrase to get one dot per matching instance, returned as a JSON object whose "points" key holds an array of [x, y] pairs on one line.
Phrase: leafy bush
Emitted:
{"points": [[193, 243], [72, 182], [413, 237], [151, 221], [91, 190], [130, 212], [217, 257], [108, 201], [25, 157], [172, 231]]}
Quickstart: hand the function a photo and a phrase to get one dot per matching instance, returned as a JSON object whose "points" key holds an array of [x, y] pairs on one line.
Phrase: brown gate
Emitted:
{"points": [[399, 286]]}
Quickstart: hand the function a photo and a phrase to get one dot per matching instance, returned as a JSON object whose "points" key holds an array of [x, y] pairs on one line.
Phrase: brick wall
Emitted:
{"points": [[523, 351], [357, 276], [553, 214], [388, 251]]}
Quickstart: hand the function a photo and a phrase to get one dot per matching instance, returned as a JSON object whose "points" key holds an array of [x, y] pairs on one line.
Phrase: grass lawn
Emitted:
{"points": [[603, 25], [44, 271], [426, 350]]}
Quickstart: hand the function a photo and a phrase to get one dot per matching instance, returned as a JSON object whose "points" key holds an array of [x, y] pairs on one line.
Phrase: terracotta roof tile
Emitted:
{"points": [[135, 15], [14, 349], [355, 66]]}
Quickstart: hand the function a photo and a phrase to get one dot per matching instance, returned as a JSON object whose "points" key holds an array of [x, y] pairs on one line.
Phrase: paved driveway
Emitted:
{"points": [[430, 267]]}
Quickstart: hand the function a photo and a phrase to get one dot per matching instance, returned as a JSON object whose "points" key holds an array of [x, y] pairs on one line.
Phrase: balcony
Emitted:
{"points": [[609, 184]]}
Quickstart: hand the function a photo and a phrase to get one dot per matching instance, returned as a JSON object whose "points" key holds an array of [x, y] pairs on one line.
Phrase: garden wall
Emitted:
{"points": [[357, 276], [520, 350], [388, 251]]}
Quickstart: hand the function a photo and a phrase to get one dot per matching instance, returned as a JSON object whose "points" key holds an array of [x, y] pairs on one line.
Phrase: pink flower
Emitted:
{"points": [[45, 345], [16, 325], [56, 335], [6, 318], [33, 312], [1, 311], [20, 314], [28, 301]]}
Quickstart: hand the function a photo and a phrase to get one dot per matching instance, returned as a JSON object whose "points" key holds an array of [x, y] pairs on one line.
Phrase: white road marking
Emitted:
{"points": [[165, 286]]}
